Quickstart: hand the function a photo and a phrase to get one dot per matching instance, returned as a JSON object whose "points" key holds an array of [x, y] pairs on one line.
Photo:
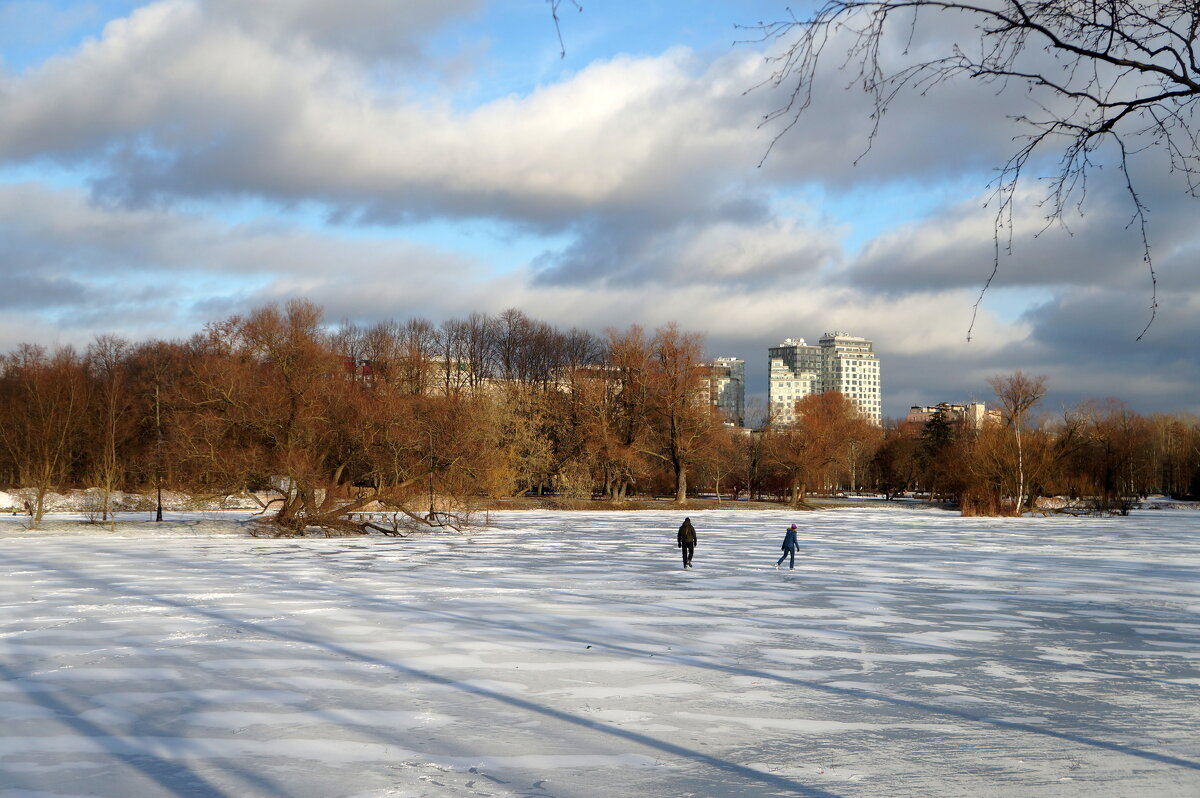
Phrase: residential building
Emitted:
{"points": [[972, 413], [850, 366], [838, 362], [727, 388], [795, 372]]}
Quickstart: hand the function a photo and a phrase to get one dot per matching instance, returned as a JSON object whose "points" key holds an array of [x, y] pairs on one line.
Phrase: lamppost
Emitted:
{"points": [[158, 453]]}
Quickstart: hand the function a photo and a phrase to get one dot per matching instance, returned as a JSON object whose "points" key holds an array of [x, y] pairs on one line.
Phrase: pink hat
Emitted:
{"points": [[793, 526]]}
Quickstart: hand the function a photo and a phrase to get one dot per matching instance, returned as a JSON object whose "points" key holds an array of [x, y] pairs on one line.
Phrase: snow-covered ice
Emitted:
{"points": [[910, 653]]}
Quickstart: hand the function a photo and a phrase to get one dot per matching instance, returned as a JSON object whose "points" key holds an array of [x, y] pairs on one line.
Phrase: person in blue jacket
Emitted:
{"points": [[789, 547]]}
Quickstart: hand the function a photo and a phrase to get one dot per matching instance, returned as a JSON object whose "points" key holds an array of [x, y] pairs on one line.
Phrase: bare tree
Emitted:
{"points": [[481, 333], [581, 350], [684, 423], [1018, 395], [108, 367], [270, 399], [401, 354], [896, 463], [42, 400], [1118, 455], [1119, 72], [623, 411], [726, 461], [417, 340], [467, 350], [803, 453], [451, 357], [1177, 453]]}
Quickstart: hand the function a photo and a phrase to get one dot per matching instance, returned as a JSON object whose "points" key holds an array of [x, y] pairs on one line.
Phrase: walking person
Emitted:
{"points": [[789, 547], [687, 541]]}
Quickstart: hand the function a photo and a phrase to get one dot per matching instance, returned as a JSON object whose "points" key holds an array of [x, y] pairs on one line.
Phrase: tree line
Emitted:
{"points": [[1101, 454], [411, 416]]}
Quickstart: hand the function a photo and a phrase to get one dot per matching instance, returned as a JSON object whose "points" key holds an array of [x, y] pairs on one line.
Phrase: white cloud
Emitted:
{"points": [[176, 101]]}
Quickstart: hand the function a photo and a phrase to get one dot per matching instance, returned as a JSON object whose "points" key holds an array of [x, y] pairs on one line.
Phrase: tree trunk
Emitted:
{"points": [[1020, 471], [39, 507]]}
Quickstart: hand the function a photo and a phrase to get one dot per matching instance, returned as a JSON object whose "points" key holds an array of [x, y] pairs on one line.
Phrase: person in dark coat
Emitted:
{"points": [[789, 547], [687, 541]]}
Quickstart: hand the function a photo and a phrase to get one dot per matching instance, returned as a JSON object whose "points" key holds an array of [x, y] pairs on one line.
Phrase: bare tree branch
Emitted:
{"points": [[554, 6], [1118, 72]]}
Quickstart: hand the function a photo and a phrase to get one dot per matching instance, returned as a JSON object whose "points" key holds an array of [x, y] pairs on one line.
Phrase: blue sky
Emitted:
{"points": [[168, 163]]}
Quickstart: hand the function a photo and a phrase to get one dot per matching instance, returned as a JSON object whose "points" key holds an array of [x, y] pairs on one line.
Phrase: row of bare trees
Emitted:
{"points": [[337, 420], [1101, 453], [403, 415]]}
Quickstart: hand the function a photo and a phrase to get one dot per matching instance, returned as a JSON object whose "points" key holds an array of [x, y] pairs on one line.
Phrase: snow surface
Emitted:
{"points": [[911, 653]]}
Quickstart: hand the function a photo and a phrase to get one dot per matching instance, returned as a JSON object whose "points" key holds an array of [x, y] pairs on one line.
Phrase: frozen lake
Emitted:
{"points": [[910, 653]]}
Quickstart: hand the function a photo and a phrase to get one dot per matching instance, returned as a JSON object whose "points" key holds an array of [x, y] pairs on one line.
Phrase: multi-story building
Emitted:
{"points": [[727, 388], [795, 372], [852, 368], [972, 413], [839, 362]]}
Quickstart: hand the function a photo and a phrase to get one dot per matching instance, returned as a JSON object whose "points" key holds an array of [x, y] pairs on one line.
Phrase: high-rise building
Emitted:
{"points": [[839, 362], [795, 372], [852, 368], [727, 388]]}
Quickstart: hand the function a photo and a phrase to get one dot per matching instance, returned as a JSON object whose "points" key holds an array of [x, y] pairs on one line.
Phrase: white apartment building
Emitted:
{"points": [[795, 372], [838, 362], [727, 388]]}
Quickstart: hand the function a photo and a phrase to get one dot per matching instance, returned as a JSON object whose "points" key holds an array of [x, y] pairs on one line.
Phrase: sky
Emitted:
{"points": [[171, 163]]}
